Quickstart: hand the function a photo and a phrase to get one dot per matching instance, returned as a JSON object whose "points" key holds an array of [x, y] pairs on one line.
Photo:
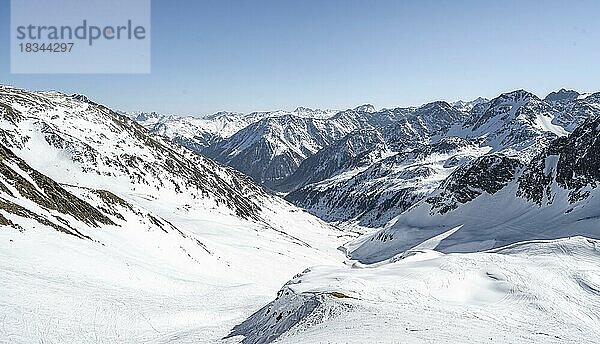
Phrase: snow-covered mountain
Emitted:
{"points": [[359, 148], [513, 121], [193, 132], [147, 119], [327, 168], [273, 148], [199, 132], [573, 112], [112, 232], [468, 105], [497, 200], [281, 140], [440, 138], [375, 192], [403, 128]]}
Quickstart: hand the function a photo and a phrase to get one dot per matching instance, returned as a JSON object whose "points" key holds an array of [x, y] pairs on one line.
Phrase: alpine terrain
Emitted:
{"points": [[363, 167], [465, 222], [111, 233]]}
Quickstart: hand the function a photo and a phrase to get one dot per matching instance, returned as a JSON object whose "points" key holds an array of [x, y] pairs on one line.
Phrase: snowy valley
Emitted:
{"points": [[113, 234], [448, 222]]}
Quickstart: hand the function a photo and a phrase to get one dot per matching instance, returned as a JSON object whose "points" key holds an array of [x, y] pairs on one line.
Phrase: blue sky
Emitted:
{"points": [[262, 55]]}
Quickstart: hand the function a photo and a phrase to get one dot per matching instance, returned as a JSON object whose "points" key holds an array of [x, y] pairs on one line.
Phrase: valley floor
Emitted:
{"points": [[131, 286], [76, 291], [88, 296], [533, 292]]}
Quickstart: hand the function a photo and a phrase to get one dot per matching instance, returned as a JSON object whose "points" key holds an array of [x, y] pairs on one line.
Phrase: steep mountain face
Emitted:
{"points": [[488, 174], [513, 121], [467, 106], [273, 148], [108, 216], [356, 149], [402, 128], [561, 96], [570, 163], [374, 186], [325, 161], [571, 113], [497, 200], [373, 194]]}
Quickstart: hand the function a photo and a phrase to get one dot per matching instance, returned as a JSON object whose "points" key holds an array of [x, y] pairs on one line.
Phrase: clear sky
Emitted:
{"points": [[210, 55]]}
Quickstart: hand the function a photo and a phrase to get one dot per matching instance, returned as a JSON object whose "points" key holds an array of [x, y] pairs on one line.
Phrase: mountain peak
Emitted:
{"points": [[517, 95], [516, 98], [479, 100], [365, 108], [83, 98], [562, 94], [302, 109], [468, 105], [312, 113], [435, 104]]}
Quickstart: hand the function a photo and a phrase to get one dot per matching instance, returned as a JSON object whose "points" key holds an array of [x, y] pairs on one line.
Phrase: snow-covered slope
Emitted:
{"points": [[358, 148], [199, 132], [80, 140], [468, 105], [532, 292], [498, 200], [374, 193], [513, 121], [273, 148], [332, 167], [573, 112], [113, 234]]}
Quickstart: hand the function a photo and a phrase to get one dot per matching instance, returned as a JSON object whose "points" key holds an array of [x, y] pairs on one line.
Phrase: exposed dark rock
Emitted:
{"points": [[489, 173]]}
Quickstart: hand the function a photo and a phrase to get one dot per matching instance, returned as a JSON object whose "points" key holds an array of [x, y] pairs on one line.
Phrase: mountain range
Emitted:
{"points": [[457, 222], [364, 166], [96, 208]]}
